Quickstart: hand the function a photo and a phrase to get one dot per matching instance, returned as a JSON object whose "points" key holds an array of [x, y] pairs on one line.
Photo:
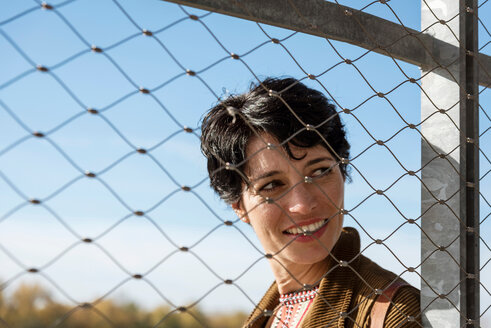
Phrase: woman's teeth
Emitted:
{"points": [[308, 228]]}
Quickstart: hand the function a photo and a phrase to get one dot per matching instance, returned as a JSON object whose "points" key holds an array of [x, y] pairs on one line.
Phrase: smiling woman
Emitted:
{"points": [[278, 155], [303, 213]]}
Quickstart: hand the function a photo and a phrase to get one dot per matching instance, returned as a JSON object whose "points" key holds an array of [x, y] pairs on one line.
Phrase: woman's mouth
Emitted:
{"points": [[306, 229], [307, 233]]}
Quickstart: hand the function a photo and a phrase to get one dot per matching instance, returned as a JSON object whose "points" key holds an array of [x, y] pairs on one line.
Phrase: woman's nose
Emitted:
{"points": [[301, 199]]}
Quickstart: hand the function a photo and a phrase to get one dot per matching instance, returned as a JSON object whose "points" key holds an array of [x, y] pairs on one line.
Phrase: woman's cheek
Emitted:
{"points": [[267, 216]]}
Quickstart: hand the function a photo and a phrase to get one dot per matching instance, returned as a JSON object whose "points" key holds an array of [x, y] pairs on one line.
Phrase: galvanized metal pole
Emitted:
{"points": [[449, 245], [440, 202]]}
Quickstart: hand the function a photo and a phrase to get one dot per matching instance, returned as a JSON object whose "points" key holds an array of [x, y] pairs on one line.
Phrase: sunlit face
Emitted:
{"points": [[304, 221]]}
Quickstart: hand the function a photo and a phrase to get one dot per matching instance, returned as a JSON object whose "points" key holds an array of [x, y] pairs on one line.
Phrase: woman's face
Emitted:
{"points": [[304, 221]]}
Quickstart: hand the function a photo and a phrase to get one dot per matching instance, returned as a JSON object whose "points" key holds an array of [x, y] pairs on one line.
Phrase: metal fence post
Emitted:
{"points": [[469, 153], [449, 158]]}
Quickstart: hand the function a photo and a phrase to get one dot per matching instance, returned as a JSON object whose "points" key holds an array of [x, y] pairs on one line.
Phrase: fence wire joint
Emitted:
{"points": [[38, 134], [42, 68], [46, 6], [96, 49]]}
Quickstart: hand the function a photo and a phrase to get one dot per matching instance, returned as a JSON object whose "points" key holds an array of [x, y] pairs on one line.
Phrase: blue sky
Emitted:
{"points": [[130, 119]]}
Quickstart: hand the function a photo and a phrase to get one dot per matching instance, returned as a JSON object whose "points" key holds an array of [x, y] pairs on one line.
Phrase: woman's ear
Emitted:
{"points": [[241, 213]]}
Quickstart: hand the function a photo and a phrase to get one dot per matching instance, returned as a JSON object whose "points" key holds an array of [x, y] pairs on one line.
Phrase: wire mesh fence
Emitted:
{"points": [[105, 194]]}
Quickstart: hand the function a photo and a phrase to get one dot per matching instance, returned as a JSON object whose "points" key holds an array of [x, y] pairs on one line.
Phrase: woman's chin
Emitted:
{"points": [[304, 257]]}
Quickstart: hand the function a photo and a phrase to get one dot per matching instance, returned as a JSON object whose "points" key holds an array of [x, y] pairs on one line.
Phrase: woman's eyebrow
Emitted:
{"points": [[264, 175], [318, 159]]}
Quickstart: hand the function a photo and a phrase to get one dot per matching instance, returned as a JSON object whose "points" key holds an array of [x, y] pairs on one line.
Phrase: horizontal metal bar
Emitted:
{"points": [[337, 22]]}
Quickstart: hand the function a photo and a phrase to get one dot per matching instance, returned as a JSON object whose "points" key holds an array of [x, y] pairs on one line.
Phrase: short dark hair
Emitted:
{"points": [[227, 128]]}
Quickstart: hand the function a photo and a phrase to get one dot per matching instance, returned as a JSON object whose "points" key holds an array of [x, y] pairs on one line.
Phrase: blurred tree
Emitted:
{"points": [[32, 306], [221, 320]]}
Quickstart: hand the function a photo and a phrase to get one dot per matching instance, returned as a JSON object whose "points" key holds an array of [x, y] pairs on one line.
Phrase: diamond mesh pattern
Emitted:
{"points": [[114, 161]]}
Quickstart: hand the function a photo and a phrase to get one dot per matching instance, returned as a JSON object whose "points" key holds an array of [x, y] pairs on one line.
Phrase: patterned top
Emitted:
{"points": [[293, 307]]}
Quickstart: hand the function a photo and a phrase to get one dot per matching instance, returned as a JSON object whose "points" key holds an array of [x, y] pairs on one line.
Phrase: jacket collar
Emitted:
{"points": [[335, 290]]}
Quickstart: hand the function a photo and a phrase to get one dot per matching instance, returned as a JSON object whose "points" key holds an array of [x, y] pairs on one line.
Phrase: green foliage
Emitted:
{"points": [[31, 306]]}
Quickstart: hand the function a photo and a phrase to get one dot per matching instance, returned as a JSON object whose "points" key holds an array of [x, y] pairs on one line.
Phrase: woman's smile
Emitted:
{"points": [[307, 227], [309, 233]]}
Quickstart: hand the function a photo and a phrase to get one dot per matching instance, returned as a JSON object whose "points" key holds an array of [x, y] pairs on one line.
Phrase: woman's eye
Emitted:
{"points": [[320, 172], [270, 186]]}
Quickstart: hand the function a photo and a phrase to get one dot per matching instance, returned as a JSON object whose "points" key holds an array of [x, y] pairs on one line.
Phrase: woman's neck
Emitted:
{"points": [[293, 276]]}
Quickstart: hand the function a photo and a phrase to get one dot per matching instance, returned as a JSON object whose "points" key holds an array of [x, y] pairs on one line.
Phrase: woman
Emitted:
{"points": [[278, 155]]}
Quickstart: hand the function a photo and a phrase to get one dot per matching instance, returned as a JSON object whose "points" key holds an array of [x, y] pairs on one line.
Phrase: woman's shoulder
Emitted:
{"points": [[373, 285], [368, 274], [370, 280]]}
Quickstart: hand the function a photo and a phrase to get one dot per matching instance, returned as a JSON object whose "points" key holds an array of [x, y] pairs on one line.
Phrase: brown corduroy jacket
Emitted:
{"points": [[347, 293]]}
